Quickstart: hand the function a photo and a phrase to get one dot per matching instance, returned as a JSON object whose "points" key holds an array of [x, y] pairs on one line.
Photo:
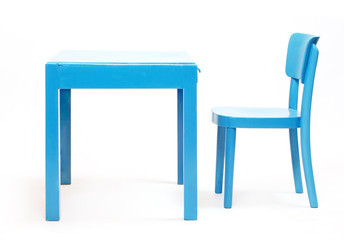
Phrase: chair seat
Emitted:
{"points": [[238, 117]]}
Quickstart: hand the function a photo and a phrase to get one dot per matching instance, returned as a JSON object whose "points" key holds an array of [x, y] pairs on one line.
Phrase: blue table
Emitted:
{"points": [[106, 69]]}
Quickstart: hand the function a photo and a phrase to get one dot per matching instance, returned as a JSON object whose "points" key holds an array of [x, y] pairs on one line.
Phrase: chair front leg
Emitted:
{"points": [[229, 170], [220, 154], [307, 165], [295, 159]]}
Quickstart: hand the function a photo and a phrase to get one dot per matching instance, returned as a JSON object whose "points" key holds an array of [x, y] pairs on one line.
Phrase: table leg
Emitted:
{"points": [[51, 145], [190, 153], [180, 135], [65, 132]]}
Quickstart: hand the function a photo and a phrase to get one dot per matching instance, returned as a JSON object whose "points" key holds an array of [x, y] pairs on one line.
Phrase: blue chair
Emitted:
{"points": [[301, 64]]}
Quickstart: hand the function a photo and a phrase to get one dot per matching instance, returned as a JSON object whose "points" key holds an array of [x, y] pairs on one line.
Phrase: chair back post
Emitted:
{"points": [[301, 63], [293, 93], [308, 86]]}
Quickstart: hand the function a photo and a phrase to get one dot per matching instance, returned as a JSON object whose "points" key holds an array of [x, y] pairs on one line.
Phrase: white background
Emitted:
{"points": [[124, 142]]}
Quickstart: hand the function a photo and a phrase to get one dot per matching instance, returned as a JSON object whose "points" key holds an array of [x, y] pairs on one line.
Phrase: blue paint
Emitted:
{"points": [[180, 136], [65, 135], [294, 145], [121, 57], [295, 159], [220, 151], [305, 125], [237, 117], [190, 151], [51, 144], [105, 69], [298, 54], [229, 170], [301, 64]]}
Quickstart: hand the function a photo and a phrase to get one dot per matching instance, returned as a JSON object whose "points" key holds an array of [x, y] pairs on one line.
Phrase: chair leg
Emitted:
{"points": [[294, 149], [307, 166], [220, 153], [229, 170], [65, 135]]}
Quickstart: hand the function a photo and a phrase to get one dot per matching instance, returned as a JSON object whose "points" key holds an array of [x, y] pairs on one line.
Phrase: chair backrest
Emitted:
{"points": [[298, 54], [302, 58]]}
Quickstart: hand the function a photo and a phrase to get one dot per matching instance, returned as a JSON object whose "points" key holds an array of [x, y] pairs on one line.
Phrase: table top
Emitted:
{"points": [[121, 57]]}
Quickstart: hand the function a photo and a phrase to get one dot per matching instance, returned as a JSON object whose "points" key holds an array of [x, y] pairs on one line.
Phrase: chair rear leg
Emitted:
{"points": [[294, 149], [220, 153], [307, 166], [229, 170]]}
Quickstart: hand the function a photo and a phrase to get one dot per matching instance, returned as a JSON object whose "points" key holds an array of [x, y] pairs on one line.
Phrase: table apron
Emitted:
{"points": [[125, 76]]}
